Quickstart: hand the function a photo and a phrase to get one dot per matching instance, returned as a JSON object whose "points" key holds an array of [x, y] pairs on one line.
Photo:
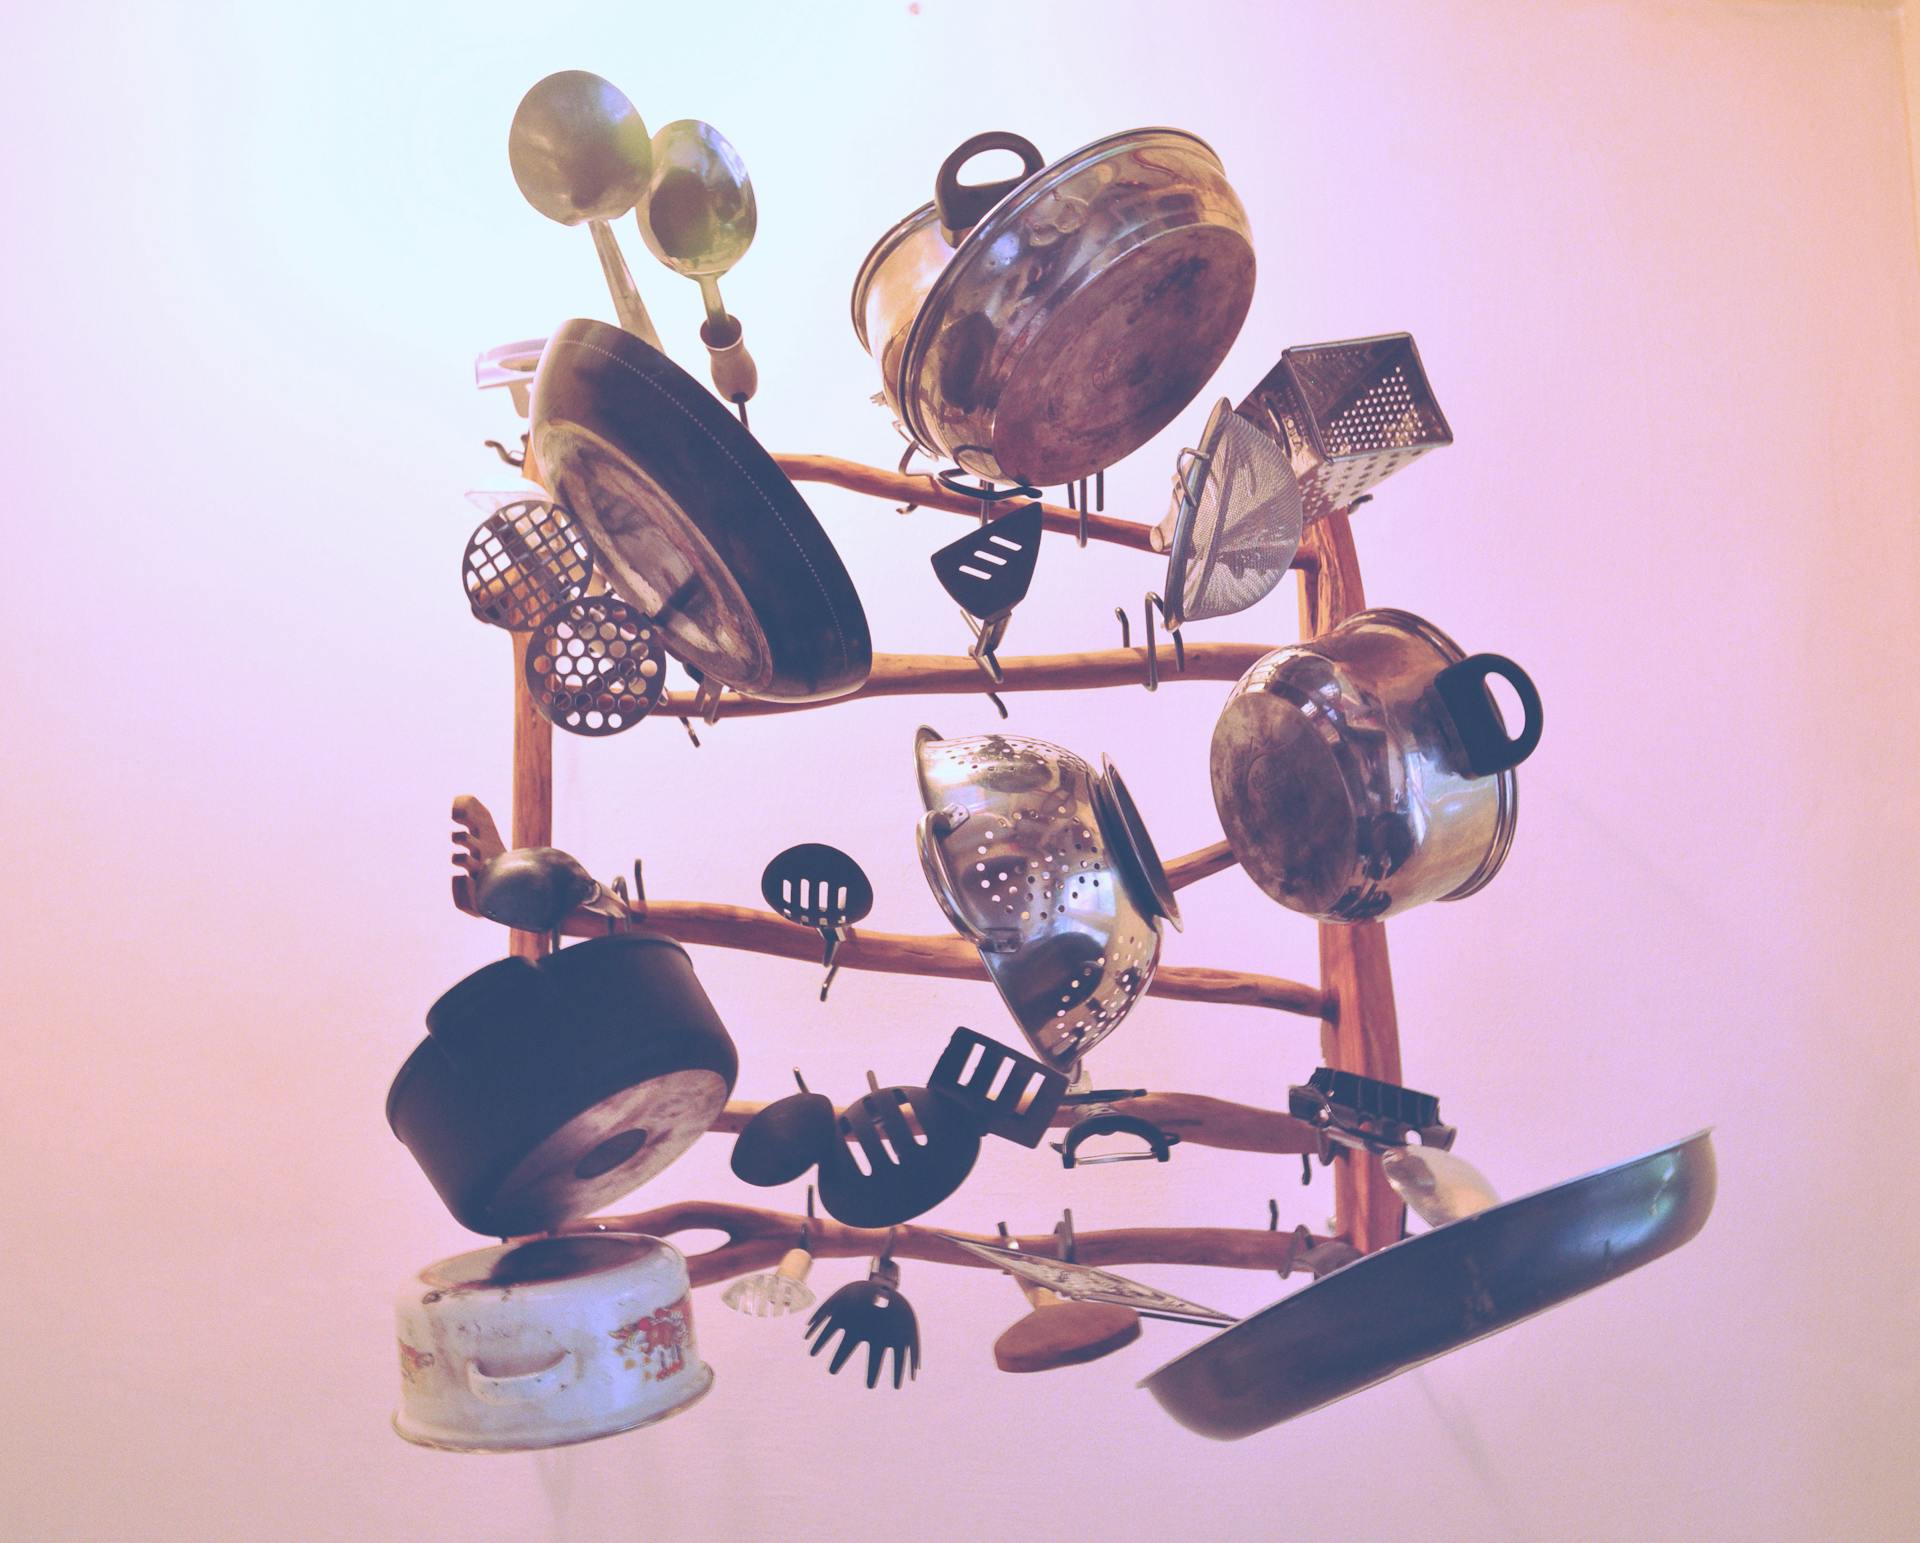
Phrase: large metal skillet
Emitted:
{"points": [[692, 521], [1400, 1307]]}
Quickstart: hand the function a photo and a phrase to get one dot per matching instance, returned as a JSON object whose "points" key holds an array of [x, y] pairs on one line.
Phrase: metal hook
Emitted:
{"points": [[873, 1082], [803, 1088], [1063, 1235], [1099, 495], [1153, 650], [999, 706], [740, 406], [834, 936], [1126, 627], [706, 699], [690, 734], [639, 885], [515, 461], [906, 456], [806, 1225]]}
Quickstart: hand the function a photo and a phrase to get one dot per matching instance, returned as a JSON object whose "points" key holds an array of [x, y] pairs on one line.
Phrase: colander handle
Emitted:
{"points": [[1463, 691], [936, 825], [963, 206]]}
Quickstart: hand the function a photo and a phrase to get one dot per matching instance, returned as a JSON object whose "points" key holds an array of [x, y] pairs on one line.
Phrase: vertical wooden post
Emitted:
{"points": [[1362, 1034], [532, 822]]}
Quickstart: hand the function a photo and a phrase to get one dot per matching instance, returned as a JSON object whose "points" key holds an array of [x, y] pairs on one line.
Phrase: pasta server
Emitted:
{"points": [[819, 886], [987, 573]]}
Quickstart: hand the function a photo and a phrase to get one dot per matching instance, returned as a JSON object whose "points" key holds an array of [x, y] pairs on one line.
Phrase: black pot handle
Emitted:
{"points": [[1463, 691], [963, 206]]}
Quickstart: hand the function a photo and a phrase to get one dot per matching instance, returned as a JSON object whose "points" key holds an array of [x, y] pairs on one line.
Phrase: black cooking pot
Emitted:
{"points": [[545, 1091]]}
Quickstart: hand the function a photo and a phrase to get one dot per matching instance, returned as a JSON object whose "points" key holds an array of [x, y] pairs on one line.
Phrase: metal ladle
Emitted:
{"points": [[581, 154], [698, 218]]}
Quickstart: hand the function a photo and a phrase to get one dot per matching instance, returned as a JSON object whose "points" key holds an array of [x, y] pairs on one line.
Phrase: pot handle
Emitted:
{"points": [[963, 206], [522, 1387], [935, 826], [1463, 691]]}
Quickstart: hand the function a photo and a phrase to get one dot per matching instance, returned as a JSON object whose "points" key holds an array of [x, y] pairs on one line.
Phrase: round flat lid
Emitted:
{"points": [[541, 1260]]}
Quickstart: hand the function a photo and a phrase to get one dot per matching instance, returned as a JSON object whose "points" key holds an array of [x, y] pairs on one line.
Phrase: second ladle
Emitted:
{"points": [[698, 217], [581, 155]]}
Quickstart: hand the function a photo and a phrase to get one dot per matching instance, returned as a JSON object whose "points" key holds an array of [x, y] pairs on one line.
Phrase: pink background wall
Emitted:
{"points": [[1660, 262]]}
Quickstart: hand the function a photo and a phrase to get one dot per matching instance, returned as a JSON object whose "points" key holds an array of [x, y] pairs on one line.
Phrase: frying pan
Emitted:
{"points": [[692, 521], [1391, 1311]]}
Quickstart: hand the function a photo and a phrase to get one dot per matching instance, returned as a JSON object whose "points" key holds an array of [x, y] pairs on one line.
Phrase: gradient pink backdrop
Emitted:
{"points": [[1660, 262]]}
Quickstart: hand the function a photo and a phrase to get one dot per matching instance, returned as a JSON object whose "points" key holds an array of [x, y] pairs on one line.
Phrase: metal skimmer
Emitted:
{"points": [[595, 666], [526, 558], [1235, 522]]}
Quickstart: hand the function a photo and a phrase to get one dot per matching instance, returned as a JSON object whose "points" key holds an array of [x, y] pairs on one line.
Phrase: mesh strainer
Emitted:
{"points": [[1235, 522], [1355, 413]]}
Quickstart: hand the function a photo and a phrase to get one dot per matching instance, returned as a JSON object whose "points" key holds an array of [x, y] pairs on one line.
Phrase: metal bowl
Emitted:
{"points": [[1045, 867]]}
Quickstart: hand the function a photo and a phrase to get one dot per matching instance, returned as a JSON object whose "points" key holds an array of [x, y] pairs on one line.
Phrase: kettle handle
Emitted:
{"points": [[962, 205], [1463, 691]]}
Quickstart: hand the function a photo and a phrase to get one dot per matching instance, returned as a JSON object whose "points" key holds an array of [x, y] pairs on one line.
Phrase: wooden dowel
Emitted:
{"points": [[957, 675], [532, 818], [757, 1239], [1194, 1117], [1194, 866]]}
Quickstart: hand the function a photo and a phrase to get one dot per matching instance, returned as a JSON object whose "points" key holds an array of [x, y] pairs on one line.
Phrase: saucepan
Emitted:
{"points": [[1040, 328]]}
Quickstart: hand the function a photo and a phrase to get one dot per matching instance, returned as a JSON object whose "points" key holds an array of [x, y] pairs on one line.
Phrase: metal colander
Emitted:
{"points": [[1235, 522], [1354, 413]]}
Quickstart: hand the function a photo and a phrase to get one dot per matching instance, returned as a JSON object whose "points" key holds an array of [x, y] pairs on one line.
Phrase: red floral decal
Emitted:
{"points": [[657, 1343], [413, 1362]]}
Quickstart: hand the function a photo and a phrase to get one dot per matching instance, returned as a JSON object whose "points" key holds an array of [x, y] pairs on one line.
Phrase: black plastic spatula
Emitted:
{"points": [[786, 1138], [818, 886], [902, 1151], [987, 573], [1007, 1094]]}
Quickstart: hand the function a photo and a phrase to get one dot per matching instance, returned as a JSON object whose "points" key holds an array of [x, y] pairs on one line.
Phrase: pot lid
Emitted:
{"points": [[543, 1261]]}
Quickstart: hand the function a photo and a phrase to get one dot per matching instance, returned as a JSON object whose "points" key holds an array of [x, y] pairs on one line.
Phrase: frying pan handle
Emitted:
{"points": [[523, 1387], [936, 825], [1463, 691], [962, 205], [735, 376]]}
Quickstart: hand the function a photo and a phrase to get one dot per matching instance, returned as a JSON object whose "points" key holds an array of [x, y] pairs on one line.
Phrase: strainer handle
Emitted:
{"points": [[935, 826]]}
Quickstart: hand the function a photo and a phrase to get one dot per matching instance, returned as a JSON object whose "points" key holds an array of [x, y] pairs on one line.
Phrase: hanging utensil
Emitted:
{"points": [[690, 519], [901, 1151], [1439, 1186], [698, 218], [987, 573], [1396, 1309], [775, 1293], [819, 886], [1082, 1283], [785, 1139], [510, 365], [580, 153], [870, 1312], [526, 558], [595, 666], [1056, 1332], [534, 889], [1006, 1093], [1367, 1113]]}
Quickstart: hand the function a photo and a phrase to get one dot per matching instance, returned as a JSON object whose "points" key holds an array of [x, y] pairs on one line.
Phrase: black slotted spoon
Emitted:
{"points": [[914, 1148], [987, 573], [819, 886]]}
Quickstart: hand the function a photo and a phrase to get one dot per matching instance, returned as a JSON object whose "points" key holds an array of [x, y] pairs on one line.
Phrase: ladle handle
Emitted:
{"points": [[735, 376], [627, 304]]}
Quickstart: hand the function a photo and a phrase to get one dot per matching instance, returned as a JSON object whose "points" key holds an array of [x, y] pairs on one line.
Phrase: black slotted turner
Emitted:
{"points": [[987, 573], [1008, 1094], [914, 1151], [819, 886]]}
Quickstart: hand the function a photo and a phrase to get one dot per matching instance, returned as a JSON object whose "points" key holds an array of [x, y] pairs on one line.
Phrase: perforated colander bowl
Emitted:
{"points": [[1033, 861]]}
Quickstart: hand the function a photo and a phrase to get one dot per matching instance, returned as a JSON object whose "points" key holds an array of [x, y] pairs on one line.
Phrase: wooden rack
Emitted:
{"points": [[1353, 1000]]}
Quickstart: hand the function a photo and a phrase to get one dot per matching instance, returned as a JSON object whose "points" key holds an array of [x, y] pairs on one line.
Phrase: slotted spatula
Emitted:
{"points": [[903, 1150], [819, 886], [987, 573], [1007, 1094]]}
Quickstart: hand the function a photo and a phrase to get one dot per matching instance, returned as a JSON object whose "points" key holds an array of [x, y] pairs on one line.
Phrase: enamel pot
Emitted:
{"points": [[1368, 770], [545, 1091], [547, 1343]]}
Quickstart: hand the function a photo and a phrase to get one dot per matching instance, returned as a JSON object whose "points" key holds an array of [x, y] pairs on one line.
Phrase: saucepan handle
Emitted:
{"points": [[1463, 692], [963, 206], [935, 826], [522, 1387]]}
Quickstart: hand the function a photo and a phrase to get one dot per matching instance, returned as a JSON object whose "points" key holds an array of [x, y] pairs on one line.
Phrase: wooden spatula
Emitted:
{"points": [[1061, 1333]]}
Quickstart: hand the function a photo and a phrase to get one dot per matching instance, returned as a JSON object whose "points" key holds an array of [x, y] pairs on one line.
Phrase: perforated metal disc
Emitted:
{"points": [[595, 666], [525, 559]]}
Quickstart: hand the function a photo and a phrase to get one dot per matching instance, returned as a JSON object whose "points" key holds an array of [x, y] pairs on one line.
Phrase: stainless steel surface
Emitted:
{"points": [[581, 155], [1081, 315], [888, 289], [1337, 780], [1393, 1310], [1235, 523], [1352, 414], [1029, 860], [1439, 1187], [698, 218], [534, 888], [1083, 1283]]}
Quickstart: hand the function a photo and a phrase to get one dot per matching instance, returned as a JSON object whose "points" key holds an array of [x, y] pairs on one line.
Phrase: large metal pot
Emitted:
{"points": [[547, 1343], [1086, 305], [544, 1091], [1369, 769]]}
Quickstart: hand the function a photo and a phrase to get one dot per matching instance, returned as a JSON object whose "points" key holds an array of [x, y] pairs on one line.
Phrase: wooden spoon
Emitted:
{"points": [[1062, 1333]]}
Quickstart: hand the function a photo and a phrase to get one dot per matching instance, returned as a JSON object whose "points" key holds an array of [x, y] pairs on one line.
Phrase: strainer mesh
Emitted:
{"points": [[1246, 527]]}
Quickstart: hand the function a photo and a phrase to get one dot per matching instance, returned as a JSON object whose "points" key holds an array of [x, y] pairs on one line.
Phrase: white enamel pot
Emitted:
{"points": [[544, 1344]]}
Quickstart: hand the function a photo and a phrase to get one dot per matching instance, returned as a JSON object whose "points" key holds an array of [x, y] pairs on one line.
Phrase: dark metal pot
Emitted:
{"points": [[545, 1091], [1369, 770], [1041, 328]]}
